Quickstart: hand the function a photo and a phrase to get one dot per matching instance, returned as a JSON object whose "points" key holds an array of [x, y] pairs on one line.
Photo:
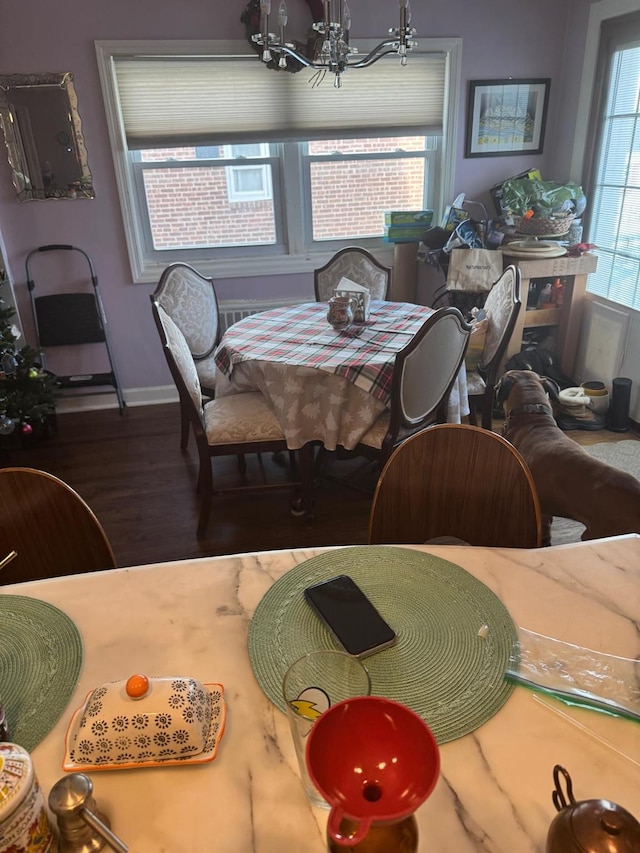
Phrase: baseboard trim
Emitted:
{"points": [[155, 396], [133, 397]]}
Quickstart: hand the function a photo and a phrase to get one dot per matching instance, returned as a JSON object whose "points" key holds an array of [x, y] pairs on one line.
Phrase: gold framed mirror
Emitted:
{"points": [[43, 133]]}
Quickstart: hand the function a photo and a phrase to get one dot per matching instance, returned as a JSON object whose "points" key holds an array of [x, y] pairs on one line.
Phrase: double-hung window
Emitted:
{"points": [[614, 183], [250, 181], [242, 170]]}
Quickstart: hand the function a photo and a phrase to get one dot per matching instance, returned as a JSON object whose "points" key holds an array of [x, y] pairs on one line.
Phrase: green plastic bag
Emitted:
{"points": [[543, 197]]}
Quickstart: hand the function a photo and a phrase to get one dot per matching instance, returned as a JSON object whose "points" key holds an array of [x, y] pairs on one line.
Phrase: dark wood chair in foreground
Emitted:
{"points": [[49, 526], [460, 481]]}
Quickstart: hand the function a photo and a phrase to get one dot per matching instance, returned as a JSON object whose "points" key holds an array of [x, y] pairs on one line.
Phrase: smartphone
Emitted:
{"points": [[350, 616]]}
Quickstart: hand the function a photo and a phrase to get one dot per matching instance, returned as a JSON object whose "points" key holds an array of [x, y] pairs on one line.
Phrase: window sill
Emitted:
{"points": [[258, 267]]}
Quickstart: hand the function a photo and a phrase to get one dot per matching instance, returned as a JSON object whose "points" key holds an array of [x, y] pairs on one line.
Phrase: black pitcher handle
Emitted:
{"points": [[558, 795]]}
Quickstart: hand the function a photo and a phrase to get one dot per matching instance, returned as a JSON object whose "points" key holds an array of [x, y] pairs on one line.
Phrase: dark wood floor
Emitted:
{"points": [[141, 486], [132, 473]]}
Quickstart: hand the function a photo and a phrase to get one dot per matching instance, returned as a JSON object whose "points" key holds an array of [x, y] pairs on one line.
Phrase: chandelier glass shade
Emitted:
{"points": [[334, 53]]}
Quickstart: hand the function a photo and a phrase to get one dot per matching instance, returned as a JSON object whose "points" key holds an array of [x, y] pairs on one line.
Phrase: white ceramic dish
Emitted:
{"points": [[555, 236], [535, 255], [75, 763], [532, 245]]}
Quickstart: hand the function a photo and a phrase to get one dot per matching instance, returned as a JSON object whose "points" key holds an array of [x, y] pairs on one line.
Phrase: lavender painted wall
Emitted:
{"points": [[501, 38]]}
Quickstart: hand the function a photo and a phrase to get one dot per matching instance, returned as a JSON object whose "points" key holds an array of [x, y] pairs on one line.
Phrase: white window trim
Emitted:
{"points": [[265, 194], [241, 267], [600, 12]]}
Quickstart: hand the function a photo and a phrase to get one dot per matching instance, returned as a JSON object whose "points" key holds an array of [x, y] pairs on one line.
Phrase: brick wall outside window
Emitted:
{"points": [[191, 208]]}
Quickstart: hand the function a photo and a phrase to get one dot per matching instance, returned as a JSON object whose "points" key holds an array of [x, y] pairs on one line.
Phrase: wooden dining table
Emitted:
{"points": [[326, 386], [192, 618]]}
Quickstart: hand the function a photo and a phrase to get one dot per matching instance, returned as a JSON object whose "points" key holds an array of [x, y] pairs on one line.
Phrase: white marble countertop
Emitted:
{"points": [[494, 792]]}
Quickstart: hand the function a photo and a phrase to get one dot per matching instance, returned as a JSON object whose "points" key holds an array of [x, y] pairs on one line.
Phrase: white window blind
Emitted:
{"points": [[168, 100], [615, 181]]}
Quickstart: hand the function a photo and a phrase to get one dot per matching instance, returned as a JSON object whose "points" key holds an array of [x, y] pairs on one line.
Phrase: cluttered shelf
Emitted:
{"points": [[536, 226], [534, 221], [558, 318]]}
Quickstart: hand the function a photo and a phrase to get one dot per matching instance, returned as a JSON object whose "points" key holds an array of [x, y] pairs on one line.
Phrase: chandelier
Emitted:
{"points": [[334, 53]]}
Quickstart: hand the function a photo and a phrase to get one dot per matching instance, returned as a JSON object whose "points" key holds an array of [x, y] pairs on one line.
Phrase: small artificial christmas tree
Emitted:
{"points": [[27, 403]]}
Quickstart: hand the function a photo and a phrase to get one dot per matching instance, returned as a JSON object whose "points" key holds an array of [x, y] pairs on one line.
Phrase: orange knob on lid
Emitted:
{"points": [[137, 686]]}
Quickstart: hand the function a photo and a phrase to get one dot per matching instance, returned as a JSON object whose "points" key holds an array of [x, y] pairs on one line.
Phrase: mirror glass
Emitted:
{"points": [[43, 132]]}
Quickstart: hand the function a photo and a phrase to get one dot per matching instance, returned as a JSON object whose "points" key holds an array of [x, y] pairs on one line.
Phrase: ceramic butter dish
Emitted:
{"points": [[146, 721]]}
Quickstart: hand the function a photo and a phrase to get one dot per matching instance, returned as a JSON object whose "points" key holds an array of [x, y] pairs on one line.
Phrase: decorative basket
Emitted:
{"points": [[543, 227]]}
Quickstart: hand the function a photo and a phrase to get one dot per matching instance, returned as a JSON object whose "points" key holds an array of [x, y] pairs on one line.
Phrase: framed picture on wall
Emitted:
{"points": [[506, 117]]}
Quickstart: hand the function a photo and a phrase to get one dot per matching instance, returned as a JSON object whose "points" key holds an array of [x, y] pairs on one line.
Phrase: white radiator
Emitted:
{"points": [[231, 312], [228, 318], [603, 342]]}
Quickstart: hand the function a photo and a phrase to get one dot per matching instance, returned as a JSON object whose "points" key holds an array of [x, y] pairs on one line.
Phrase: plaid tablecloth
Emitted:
{"points": [[302, 336], [324, 385]]}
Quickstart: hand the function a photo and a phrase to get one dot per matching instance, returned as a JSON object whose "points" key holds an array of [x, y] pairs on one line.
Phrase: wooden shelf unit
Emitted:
{"points": [[564, 322]]}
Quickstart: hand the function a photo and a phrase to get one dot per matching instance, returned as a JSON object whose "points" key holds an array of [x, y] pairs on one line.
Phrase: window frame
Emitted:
{"points": [[254, 260], [202, 254], [427, 154], [253, 163], [611, 281], [599, 12], [615, 34], [591, 93]]}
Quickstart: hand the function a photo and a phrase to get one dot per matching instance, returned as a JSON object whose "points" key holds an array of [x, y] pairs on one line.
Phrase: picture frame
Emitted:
{"points": [[506, 117]]}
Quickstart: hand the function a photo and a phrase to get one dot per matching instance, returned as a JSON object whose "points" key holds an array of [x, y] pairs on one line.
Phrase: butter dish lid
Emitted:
{"points": [[143, 720]]}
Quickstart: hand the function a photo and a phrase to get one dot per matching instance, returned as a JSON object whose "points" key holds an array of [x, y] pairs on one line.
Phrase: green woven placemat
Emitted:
{"points": [[40, 662], [439, 667]]}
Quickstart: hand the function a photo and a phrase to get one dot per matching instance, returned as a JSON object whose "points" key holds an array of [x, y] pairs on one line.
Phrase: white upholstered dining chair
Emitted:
{"points": [[502, 307], [233, 425], [423, 375], [356, 264], [189, 298]]}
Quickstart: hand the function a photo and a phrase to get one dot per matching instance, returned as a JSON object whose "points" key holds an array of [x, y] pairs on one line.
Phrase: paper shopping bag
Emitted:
{"points": [[473, 269]]}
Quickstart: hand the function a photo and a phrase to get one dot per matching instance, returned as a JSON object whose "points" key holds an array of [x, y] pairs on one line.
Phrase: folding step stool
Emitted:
{"points": [[67, 319]]}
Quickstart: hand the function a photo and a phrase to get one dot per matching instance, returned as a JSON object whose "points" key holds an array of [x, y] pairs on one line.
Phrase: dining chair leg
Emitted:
{"points": [[302, 503], [487, 410], [205, 488], [263, 473], [322, 458], [184, 427]]}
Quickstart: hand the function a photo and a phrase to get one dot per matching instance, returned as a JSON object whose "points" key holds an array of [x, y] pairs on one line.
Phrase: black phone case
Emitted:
{"points": [[350, 616]]}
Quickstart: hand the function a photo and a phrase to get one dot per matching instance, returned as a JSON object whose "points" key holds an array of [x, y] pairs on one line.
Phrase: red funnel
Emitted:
{"points": [[373, 760]]}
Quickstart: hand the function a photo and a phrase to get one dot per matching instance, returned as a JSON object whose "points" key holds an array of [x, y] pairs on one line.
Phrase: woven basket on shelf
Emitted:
{"points": [[541, 226]]}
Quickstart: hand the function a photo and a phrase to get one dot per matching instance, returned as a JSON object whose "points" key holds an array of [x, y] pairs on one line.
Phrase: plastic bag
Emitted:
{"points": [[543, 197], [575, 674]]}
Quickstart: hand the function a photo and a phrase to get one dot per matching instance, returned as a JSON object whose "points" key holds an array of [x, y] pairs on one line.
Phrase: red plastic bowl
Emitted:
{"points": [[373, 760]]}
